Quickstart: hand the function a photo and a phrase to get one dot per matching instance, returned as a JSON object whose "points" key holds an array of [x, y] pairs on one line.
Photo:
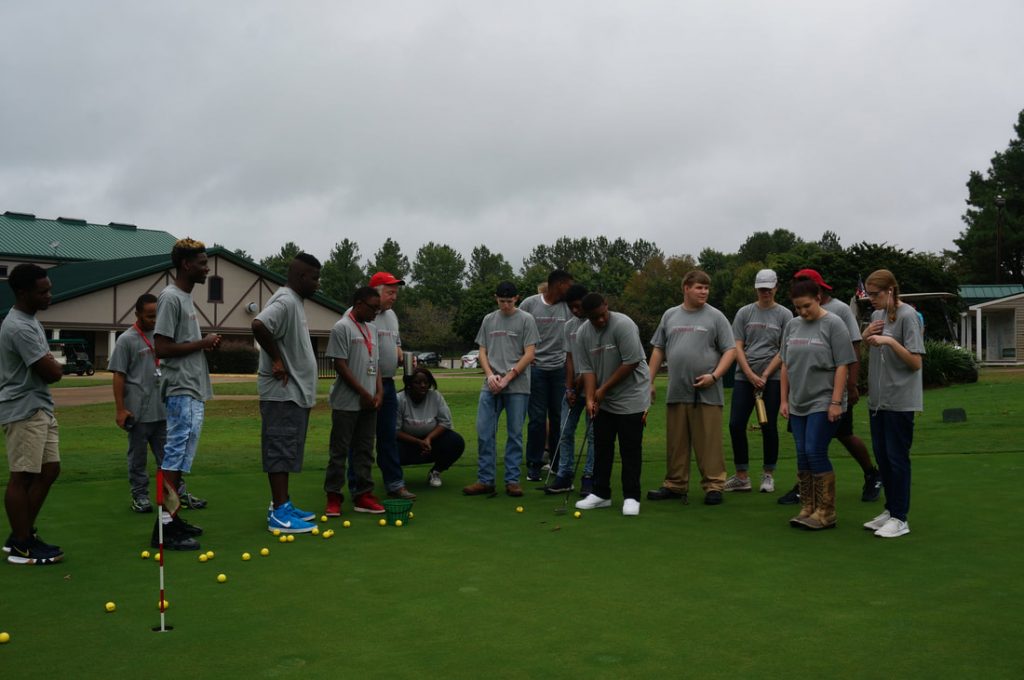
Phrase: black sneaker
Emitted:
{"points": [[792, 497], [174, 538], [664, 494], [35, 535], [586, 486], [141, 504], [713, 498], [533, 475], [872, 486], [190, 501], [560, 485], [185, 528], [36, 552]]}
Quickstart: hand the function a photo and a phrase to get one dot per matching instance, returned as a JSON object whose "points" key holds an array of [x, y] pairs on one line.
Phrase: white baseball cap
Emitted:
{"points": [[765, 278]]}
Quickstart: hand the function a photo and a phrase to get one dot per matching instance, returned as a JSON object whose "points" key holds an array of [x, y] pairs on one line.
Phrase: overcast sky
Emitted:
{"points": [[689, 123]]}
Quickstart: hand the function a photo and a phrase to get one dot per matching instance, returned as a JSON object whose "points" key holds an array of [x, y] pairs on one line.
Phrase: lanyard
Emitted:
{"points": [[148, 343], [366, 335]]}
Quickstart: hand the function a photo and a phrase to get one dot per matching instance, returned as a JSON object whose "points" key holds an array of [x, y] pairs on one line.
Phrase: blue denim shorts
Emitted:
{"points": [[184, 423]]}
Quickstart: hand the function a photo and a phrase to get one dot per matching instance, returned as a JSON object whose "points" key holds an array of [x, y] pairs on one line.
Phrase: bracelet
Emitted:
{"points": [[714, 378], [836, 403]]}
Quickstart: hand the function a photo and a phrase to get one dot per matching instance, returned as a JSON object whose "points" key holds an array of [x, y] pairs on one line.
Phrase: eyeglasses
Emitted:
{"points": [[874, 293]]}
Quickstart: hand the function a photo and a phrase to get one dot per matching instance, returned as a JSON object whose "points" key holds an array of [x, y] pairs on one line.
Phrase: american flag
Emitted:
{"points": [[862, 293]]}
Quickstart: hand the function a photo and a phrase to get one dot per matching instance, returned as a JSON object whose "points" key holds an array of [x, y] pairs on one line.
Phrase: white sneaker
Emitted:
{"points": [[736, 483], [893, 528], [631, 507], [767, 483], [434, 478], [878, 522], [593, 501]]}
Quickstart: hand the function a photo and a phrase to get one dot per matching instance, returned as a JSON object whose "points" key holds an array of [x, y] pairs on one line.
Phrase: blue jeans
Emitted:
{"points": [[487, 413], [566, 445], [812, 434], [547, 389], [742, 406], [184, 424], [892, 433]]}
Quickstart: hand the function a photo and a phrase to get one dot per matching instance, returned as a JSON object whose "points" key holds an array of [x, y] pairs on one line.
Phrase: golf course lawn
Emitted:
{"points": [[470, 588]]}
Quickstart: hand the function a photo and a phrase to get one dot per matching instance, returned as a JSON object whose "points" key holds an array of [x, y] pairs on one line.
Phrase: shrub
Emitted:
{"points": [[234, 357], [944, 364]]}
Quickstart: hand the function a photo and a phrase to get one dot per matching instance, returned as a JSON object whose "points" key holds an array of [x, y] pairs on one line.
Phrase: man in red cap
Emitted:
{"points": [[853, 443]]}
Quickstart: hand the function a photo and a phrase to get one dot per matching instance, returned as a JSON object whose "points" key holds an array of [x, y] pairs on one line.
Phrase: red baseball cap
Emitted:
{"points": [[385, 279], [813, 276]]}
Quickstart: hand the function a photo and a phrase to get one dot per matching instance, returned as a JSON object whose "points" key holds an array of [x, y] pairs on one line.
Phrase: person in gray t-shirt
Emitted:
{"points": [[816, 353], [424, 426], [507, 339], [355, 398], [610, 357], [26, 412], [547, 374], [287, 387], [696, 341], [894, 395], [185, 386]]}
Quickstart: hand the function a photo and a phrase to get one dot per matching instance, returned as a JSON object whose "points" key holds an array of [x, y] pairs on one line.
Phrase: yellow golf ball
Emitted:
{"points": [[265, 551], [166, 605], [577, 514], [398, 522], [110, 606], [209, 554], [282, 539], [246, 557], [144, 554], [411, 515], [222, 578], [291, 537], [277, 532], [5, 637], [383, 522], [203, 557], [323, 518], [346, 524], [519, 508], [316, 531]]}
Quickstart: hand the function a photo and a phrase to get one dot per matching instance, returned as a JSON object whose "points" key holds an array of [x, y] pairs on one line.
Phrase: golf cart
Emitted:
{"points": [[71, 354]]}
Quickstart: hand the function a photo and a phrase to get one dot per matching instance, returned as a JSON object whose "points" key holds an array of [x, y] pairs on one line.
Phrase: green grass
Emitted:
{"points": [[473, 589]]}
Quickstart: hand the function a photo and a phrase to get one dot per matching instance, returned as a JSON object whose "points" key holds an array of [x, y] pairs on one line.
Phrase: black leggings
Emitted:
{"points": [[444, 450], [739, 416]]}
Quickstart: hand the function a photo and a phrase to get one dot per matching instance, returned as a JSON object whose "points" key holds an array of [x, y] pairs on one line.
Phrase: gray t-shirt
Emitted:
{"points": [[602, 352], [133, 356], [572, 327], [694, 342], [176, 319], [551, 321], [760, 331], [811, 351], [348, 341], [419, 420], [505, 338], [843, 311], [22, 391], [285, 317], [389, 339], [892, 385]]}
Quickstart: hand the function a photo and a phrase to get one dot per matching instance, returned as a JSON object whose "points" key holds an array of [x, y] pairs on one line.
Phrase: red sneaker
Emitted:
{"points": [[333, 508], [367, 502]]}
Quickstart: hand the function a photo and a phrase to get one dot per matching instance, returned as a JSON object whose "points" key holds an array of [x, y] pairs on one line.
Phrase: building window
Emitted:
{"points": [[215, 289], [3, 271]]}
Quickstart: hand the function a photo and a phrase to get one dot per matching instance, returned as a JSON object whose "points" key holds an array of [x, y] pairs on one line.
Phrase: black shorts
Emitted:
{"points": [[845, 428], [283, 435]]}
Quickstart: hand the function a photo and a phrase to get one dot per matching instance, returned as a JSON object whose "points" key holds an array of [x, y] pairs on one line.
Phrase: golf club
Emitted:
{"points": [[554, 457], [576, 466]]}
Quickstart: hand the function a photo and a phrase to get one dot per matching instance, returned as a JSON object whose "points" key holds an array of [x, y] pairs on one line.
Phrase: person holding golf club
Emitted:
{"points": [[896, 346], [816, 356], [287, 376], [573, 405], [507, 340], [758, 332], [696, 340], [615, 377], [424, 426]]}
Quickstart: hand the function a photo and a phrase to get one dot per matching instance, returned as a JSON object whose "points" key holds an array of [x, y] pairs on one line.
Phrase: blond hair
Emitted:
{"points": [[883, 278]]}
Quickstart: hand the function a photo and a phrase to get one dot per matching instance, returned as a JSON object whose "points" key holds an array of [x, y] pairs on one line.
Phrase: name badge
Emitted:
{"points": [[371, 370], [157, 372]]}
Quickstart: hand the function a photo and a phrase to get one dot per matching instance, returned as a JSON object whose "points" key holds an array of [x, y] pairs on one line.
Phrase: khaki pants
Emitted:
{"points": [[696, 426]]}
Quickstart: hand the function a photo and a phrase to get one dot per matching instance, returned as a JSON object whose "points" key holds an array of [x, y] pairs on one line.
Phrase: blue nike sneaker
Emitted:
{"points": [[284, 519]]}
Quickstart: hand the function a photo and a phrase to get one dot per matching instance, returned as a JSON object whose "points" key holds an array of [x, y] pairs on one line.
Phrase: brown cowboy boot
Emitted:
{"points": [[824, 516], [805, 481]]}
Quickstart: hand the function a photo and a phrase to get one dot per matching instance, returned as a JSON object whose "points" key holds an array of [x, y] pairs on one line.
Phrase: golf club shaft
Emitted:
{"points": [[579, 456]]}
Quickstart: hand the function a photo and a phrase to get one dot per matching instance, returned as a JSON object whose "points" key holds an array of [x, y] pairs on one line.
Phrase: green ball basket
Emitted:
{"points": [[397, 508]]}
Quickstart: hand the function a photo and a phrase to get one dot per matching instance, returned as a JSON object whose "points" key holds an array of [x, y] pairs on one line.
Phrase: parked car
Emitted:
{"points": [[428, 359], [71, 354], [471, 359]]}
